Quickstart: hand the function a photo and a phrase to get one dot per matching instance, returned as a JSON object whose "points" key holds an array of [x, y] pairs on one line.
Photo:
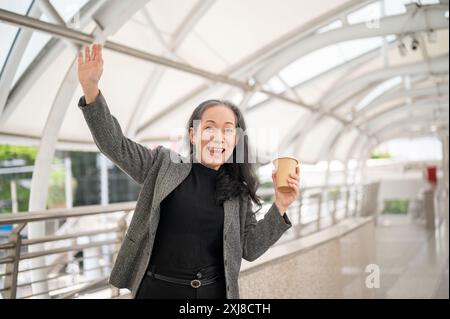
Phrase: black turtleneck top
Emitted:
{"points": [[190, 229]]}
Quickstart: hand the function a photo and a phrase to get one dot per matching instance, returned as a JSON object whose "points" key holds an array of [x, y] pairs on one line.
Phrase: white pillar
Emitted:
{"points": [[104, 185], [38, 199], [15, 206], [68, 182], [92, 263], [442, 194], [105, 250], [445, 150], [41, 175], [327, 173]]}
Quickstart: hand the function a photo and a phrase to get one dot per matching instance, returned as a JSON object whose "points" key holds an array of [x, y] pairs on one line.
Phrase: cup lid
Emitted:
{"points": [[287, 156]]}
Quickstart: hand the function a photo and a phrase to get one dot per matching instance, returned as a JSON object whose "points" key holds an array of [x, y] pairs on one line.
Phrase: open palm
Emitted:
{"points": [[90, 68]]}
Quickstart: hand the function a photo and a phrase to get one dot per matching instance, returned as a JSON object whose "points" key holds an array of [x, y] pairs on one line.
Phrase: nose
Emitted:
{"points": [[218, 137]]}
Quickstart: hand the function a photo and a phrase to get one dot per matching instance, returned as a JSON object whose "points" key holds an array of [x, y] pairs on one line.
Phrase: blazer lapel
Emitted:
{"points": [[175, 173]]}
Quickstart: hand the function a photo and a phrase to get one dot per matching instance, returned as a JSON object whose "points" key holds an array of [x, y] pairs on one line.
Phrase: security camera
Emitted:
{"points": [[414, 44]]}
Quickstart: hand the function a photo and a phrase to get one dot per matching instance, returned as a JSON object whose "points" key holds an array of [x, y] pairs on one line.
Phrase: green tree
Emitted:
{"points": [[10, 156]]}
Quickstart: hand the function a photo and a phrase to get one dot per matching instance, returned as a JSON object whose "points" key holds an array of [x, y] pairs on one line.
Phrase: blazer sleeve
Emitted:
{"points": [[131, 157], [260, 235]]}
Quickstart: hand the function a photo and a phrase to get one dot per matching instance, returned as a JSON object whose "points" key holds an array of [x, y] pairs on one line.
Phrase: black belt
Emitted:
{"points": [[195, 283]]}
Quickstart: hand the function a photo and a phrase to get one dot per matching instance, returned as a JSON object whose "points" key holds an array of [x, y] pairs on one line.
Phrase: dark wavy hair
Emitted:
{"points": [[234, 178]]}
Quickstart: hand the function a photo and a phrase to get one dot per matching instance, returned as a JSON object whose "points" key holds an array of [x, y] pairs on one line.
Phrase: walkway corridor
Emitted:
{"points": [[413, 260]]}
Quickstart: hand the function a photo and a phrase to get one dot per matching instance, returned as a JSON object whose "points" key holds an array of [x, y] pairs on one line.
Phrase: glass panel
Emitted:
{"points": [[366, 14], [9, 32], [394, 7], [275, 85], [257, 98], [333, 25], [68, 9], [352, 49], [311, 65], [378, 91], [37, 42], [322, 60]]}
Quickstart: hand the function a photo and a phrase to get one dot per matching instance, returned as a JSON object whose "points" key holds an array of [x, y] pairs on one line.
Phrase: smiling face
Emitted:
{"points": [[215, 137]]}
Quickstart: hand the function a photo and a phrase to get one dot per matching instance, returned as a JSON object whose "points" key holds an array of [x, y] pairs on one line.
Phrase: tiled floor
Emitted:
{"points": [[413, 260]]}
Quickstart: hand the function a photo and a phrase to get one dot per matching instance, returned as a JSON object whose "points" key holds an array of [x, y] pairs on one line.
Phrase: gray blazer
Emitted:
{"points": [[159, 171]]}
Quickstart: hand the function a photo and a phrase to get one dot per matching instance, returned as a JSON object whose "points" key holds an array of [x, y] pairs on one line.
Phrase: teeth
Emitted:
{"points": [[216, 149]]}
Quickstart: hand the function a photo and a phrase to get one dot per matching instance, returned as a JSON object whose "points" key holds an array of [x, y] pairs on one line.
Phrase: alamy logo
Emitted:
{"points": [[373, 279], [74, 21], [373, 19]]}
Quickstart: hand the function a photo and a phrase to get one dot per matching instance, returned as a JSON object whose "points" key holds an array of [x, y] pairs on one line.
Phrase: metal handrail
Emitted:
{"points": [[47, 239], [63, 275], [63, 213], [60, 263], [16, 242], [50, 290], [320, 196], [57, 277], [89, 287], [5, 260]]}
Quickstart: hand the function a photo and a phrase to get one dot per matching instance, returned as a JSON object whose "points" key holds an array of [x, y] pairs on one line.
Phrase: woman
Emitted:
{"points": [[194, 220]]}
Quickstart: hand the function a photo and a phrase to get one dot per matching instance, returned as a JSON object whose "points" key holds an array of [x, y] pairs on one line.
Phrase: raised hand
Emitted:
{"points": [[90, 70]]}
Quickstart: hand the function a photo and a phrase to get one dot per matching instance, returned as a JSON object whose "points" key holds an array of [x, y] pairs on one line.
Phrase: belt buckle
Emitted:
{"points": [[196, 283]]}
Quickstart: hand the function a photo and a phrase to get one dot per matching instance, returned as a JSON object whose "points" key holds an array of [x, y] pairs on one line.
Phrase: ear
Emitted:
{"points": [[192, 136]]}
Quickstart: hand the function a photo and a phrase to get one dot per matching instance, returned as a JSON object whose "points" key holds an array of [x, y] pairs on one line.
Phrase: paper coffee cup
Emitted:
{"points": [[284, 165]]}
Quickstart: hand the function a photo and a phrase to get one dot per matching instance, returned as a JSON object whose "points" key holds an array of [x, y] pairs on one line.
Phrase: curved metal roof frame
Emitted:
{"points": [[359, 118], [246, 68], [329, 147], [280, 42], [441, 89], [369, 79], [437, 65], [389, 26], [421, 109], [396, 129], [417, 19], [360, 31], [396, 132]]}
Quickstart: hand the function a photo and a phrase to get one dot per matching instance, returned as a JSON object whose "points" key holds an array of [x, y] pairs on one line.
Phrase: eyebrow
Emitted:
{"points": [[215, 122]]}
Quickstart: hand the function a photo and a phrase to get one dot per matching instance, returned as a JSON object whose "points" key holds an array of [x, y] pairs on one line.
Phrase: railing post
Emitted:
{"points": [[333, 213], [355, 213], [299, 214], [319, 210], [347, 199], [12, 269]]}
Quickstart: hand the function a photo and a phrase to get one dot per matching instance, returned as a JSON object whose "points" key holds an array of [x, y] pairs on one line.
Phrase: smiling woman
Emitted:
{"points": [[202, 221]]}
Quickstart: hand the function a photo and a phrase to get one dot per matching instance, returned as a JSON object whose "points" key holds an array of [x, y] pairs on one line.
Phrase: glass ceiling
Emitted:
{"points": [[315, 69]]}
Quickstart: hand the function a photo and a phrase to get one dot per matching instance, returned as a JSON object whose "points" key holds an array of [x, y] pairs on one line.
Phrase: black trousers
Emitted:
{"points": [[153, 288]]}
